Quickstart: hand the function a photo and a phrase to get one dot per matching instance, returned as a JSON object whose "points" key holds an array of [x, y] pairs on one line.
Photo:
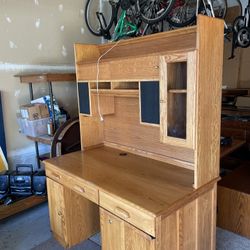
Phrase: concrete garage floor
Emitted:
{"points": [[31, 231]]}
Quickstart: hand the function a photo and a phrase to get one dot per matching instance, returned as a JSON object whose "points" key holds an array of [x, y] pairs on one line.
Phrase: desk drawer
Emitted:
{"points": [[55, 175], [82, 187], [129, 212]]}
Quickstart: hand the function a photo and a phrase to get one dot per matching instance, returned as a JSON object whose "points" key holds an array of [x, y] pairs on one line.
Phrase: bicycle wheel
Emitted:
{"points": [[239, 23], [243, 37], [183, 13], [153, 11], [99, 16]]}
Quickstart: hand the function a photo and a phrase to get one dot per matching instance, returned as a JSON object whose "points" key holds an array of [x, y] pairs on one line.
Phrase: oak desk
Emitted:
{"points": [[150, 137], [148, 194]]}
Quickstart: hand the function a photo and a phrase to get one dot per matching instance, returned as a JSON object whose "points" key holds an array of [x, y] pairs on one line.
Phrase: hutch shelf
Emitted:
{"points": [[150, 135]]}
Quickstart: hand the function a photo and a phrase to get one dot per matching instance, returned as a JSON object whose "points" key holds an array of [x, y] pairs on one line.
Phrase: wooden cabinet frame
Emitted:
{"points": [[188, 91]]}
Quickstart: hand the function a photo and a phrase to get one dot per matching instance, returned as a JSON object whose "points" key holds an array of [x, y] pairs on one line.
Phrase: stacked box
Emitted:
{"points": [[34, 111]]}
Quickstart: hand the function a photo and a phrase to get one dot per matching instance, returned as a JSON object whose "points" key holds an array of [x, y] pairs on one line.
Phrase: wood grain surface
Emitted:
{"points": [[208, 103], [119, 235], [72, 217], [233, 210], [47, 77], [147, 183]]}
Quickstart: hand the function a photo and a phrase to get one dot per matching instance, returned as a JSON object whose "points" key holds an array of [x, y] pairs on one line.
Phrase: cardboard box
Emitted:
{"points": [[34, 111]]}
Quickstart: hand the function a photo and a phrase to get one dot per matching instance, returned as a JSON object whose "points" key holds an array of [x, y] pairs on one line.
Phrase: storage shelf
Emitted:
{"points": [[101, 85], [46, 139], [21, 205], [177, 91], [117, 92], [46, 77], [151, 44]]}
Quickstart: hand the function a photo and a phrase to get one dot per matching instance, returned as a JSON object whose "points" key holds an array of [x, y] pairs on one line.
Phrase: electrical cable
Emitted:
{"points": [[97, 78]]}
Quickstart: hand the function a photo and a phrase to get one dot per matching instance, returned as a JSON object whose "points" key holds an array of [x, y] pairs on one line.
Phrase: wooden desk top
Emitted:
{"points": [[227, 149], [150, 184]]}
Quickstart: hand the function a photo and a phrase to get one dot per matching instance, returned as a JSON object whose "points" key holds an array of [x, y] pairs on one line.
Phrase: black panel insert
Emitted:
{"points": [[150, 103], [83, 92]]}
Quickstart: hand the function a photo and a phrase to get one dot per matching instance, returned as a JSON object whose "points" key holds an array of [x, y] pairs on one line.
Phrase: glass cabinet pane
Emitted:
{"points": [[177, 115], [177, 75], [177, 99]]}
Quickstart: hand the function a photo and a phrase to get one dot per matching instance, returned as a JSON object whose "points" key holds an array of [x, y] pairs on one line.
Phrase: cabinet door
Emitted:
{"points": [[73, 218], [120, 235], [57, 210], [177, 98]]}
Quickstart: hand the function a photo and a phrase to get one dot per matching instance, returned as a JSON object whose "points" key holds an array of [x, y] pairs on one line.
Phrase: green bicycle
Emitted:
{"points": [[136, 17]]}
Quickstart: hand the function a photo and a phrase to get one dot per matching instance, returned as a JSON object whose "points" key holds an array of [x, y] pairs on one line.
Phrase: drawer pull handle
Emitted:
{"points": [[122, 212], [79, 189], [58, 177]]}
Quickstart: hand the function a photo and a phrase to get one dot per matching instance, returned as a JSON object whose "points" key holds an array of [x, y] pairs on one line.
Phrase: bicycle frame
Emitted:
{"points": [[124, 27], [210, 11], [247, 15]]}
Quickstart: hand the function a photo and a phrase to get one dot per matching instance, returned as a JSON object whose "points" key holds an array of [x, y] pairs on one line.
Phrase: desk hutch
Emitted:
{"points": [[148, 170]]}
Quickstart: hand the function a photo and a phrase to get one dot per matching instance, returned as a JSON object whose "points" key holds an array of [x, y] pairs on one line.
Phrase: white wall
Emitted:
{"points": [[37, 36]]}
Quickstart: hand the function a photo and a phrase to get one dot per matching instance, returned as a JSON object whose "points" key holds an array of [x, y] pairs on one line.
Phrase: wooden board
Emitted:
{"points": [[208, 103], [234, 201], [47, 77], [147, 183], [233, 211], [192, 227], [45, 139], [119, 235], [73, 218], [124, 128], [121, 69], [19, 206], [155, 43]]}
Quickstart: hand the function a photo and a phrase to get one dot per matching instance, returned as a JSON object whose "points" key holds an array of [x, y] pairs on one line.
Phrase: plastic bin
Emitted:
{"points": [[33, 128]]}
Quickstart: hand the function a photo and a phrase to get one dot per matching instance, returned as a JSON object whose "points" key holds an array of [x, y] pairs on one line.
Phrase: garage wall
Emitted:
{"points": [[37, 36]]}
